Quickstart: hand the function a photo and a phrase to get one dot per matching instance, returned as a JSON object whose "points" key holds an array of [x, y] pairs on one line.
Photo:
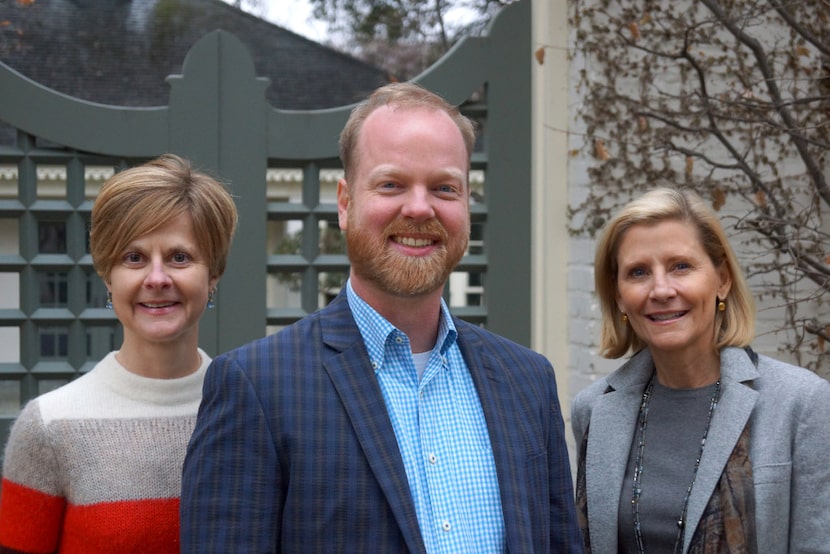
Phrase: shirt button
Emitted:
{"points": [[398, 340], [433, 458], [446, 526], [374, 365]]}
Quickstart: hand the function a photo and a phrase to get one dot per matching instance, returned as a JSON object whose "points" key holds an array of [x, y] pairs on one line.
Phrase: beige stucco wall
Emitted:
{"points": [[550, 187]]}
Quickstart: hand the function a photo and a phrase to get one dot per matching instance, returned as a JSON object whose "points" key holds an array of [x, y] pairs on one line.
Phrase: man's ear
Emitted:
{"points": [[342, 203]]}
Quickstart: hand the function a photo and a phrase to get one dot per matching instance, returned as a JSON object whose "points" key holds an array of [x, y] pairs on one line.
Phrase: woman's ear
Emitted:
{"points": [[725, 282]]}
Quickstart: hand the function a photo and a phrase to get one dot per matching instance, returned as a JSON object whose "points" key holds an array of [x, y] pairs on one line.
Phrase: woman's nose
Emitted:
{"points": [[662, 287], [157, 275]]}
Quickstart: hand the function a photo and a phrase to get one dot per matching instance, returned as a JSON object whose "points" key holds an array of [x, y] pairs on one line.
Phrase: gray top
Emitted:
{"points": [[676, 421]]}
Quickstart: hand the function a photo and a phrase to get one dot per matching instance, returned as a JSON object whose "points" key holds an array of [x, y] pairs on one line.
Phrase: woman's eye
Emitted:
{"points": [[132, 258], [637, 272], [180, 257]]}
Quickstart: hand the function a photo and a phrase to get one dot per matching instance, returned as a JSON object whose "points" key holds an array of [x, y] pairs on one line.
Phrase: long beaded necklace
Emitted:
{"points": [[638, 467]]}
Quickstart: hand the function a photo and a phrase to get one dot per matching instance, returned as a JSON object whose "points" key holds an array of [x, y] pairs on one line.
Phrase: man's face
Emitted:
{"points": [[405, 211]]}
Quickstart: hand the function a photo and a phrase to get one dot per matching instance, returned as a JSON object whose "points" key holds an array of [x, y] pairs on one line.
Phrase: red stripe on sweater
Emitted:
{"points": [[125, 527], [29, 520]]}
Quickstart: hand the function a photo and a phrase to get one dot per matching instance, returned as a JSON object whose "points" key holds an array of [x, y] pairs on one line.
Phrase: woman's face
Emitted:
{"points": [[160, 285], [669, 288]]}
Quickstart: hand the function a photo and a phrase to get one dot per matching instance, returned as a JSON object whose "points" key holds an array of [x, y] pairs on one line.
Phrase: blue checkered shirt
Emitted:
{"points": [[441, 432]]}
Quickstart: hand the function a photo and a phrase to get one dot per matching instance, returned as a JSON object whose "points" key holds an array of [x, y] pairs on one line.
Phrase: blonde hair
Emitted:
{"points": [[139, 200], [402, 95], [735, 326]]}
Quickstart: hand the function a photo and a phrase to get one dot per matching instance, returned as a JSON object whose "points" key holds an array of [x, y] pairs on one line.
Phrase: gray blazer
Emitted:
{"points": [[789, 411]]}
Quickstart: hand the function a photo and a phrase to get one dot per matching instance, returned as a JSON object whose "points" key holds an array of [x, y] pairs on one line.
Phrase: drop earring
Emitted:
{"points": [[211, 303], [721, 306], [108, 304], [624, 319]]}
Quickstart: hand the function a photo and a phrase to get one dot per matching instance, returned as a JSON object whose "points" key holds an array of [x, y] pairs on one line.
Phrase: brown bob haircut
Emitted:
{"points": [[139, 200], [733, 327], [404, 96]]}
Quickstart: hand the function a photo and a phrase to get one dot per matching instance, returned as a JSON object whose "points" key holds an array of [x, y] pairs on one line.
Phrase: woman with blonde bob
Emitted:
{"points": [[95, 465], [696, 443]]}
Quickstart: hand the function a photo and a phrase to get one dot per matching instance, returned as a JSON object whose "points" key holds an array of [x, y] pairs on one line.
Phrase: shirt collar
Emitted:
{"points": [[376, 329]]}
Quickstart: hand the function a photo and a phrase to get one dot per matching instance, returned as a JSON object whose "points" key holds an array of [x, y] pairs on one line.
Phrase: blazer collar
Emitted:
{"points": [[736, 364]]}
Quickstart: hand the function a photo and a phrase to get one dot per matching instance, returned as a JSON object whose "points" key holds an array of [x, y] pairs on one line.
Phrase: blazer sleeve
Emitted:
{"points": [[565, 533], [810, 498], [231, 486]]}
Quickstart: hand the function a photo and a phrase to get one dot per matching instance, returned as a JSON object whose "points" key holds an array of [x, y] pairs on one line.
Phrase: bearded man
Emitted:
{"points": [[382, 423]]}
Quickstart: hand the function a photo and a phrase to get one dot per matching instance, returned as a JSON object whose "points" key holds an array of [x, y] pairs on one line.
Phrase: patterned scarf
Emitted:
{"points": [[728, 522]]}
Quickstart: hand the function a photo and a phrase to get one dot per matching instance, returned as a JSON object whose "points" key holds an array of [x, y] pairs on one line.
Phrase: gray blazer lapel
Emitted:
{"points": [[737, 400], [612, 428], [354, 379]]}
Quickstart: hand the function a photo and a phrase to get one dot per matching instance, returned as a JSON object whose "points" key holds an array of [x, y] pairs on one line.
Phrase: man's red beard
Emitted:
{"points": [[373, 260]]}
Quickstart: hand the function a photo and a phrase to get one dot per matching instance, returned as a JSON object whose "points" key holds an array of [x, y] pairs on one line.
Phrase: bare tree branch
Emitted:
{"points": [[731, 99], [816, 172]]}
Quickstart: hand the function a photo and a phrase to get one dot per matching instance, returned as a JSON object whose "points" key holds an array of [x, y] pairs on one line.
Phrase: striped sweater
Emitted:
{"points": [[95, 465]]}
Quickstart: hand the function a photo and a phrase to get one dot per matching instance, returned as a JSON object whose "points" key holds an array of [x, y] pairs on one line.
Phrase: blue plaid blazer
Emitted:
{"points": [[293, 449]]}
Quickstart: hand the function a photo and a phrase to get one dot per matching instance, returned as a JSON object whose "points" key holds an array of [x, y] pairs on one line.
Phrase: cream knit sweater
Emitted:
{"points": [[95, 465]]}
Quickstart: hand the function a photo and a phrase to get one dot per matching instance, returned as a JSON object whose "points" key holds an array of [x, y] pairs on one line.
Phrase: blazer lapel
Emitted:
{"points": [[610, 435], [509, 446], [351, 372], [737, 400]]}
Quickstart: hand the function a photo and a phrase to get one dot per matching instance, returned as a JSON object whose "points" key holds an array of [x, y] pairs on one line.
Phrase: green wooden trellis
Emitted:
{"points": [[218, 117]]}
